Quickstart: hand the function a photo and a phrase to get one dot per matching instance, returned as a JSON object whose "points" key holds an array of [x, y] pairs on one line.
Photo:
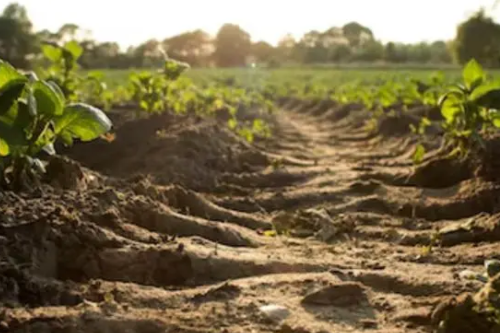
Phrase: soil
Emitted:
{"points": [[178, 225]]}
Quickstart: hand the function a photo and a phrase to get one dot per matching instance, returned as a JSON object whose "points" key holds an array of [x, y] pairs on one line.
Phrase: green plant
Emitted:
{"points": [[63, 65], [418, 155], [33, 115], [151, 90], [470, 109]]}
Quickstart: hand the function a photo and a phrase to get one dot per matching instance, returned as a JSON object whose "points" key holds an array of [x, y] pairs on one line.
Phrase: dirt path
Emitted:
{"points": [[356, 258]]}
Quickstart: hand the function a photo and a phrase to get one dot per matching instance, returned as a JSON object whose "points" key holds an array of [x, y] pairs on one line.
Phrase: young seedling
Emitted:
{"points": [[470, 109], [62, 70], [33, 115]]}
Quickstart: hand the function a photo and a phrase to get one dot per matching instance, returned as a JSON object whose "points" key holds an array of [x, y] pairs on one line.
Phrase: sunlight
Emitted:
{"points": [[134, 22]]}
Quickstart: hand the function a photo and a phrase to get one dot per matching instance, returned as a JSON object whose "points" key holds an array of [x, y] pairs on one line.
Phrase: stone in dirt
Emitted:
{"points": [[344, 294]]}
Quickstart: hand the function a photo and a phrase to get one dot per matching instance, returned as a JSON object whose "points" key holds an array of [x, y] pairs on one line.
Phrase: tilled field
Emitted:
{"points": [[169, 228]]}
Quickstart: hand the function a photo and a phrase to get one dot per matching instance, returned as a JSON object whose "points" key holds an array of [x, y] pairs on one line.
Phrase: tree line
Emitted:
{"points": [[478, 37]]}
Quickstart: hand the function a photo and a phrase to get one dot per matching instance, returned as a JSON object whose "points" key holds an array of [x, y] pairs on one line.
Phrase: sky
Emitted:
{"points": [[131, 22]]}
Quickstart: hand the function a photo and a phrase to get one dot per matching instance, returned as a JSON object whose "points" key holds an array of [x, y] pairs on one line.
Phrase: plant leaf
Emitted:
{"points": [[4, 148], [8, 74], [418, 155], [52, 51], [48, 100], [490, 99], [74, 48], [473, 75], [10, 93], [81, 121], [450, 107]]}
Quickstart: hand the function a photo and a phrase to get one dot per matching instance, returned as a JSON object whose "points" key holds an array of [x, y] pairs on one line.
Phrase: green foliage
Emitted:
{"points": [[472, 108], [151, 90], [63, 65], [33, 115]]}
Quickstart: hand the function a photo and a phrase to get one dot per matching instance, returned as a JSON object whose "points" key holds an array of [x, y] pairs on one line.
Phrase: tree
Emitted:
{"points": [[357, 34], [263, 52], [232, 46], [478, 38], [193, 47], [16, 38], [286, 49], [68, 32]]}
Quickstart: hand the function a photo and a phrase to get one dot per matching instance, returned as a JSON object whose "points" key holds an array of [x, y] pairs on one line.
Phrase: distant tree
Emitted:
{"points": [[287, 49], [193, 47], [263, 52], [357, 34], [478, 38], [16, 38], [370, 51], [232, 46], [440, 52], [68, 32]]}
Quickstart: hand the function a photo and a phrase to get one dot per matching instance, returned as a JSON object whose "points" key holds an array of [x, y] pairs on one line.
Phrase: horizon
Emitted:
{"points": [[402, 22]]}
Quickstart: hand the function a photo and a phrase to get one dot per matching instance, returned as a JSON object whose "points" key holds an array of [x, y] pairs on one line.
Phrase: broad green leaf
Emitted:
{"points": [[13, 136], [4, 148], [451, 105], [489, 100], [57, 89], [52, 52], [48, 100], [9, 74], [9, 94], [418, 155], [82, 121], [74, 48], [483, 89], [473, 74]]}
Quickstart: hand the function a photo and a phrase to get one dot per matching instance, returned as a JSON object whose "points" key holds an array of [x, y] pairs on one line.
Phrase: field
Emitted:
{"points": [[291, 201]]}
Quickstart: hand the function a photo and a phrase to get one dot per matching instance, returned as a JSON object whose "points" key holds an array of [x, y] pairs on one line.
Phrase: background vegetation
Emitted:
{"points": [[478, 37]]}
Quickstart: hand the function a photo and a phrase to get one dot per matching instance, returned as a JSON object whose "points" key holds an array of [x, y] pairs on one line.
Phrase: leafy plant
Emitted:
{"points": [[471, 108], [150, 90], [63, 65], [33, 115], [418, 155]]}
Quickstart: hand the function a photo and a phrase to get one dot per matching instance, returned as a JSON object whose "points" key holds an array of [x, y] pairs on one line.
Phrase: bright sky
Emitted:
{"points": [[131, 22]]}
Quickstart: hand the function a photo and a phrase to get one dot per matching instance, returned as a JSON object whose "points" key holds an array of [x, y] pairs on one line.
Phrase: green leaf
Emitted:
{"points": [[13, 136], [489, 99], [74, 48], [57, 89], [81, 121], [8, 74], [52, 51], [451, 105], [23, 118], [49, 101], [10, 93], [418, 155], [495, 118], [4, 148], [473, 74]]}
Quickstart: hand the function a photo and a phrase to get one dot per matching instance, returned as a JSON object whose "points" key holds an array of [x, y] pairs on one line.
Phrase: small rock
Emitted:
{"points": [[275, 312], [344, 294]]}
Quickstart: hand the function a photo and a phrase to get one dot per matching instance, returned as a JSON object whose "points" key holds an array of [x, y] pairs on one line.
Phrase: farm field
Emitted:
{"points": [[249, 200]]}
